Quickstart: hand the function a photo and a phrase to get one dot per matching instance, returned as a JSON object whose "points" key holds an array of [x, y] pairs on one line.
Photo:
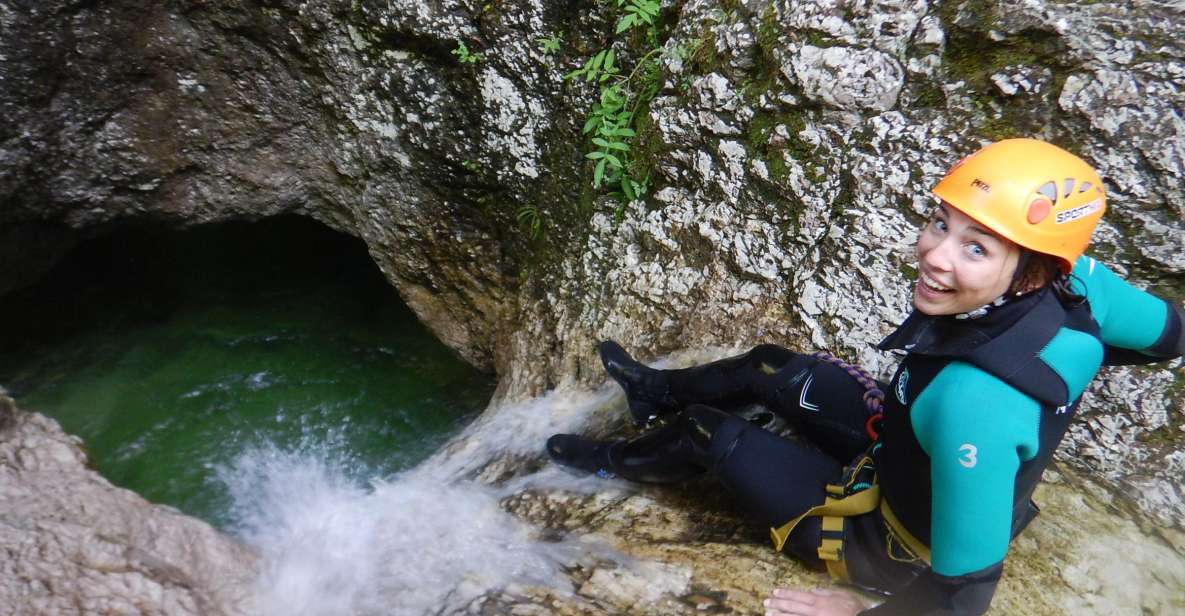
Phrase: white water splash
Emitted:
{"points": [[426, 541]]}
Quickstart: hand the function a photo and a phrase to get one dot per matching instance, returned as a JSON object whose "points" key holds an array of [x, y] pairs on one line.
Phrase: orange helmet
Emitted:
{"points": [[1031, 192]]}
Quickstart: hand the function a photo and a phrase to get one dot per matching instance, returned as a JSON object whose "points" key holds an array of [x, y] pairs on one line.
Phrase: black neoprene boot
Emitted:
{"points": [[647, 390], [578, 452], [674, 451]]}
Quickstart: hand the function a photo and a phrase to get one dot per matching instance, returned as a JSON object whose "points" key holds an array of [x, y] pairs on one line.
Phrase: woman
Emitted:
{"points": [[1010, 324]]}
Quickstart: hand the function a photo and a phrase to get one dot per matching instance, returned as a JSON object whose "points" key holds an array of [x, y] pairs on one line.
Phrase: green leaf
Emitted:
{"points": [[593, 122], [595, 155], [624, 132], [627, 186], [609, 60], [598, 174], [626, 23], [613, 160], [611, 98]]}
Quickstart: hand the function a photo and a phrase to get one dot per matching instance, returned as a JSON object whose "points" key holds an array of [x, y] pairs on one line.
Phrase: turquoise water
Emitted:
{"points": [[173, 353]]}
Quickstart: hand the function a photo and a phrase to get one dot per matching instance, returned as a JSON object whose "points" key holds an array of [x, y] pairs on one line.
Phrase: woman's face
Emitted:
{"points": [[961, 264]]}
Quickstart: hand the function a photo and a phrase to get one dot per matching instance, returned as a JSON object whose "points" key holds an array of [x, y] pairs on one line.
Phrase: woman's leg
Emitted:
{"points": [[821, 399], [774, 478]]}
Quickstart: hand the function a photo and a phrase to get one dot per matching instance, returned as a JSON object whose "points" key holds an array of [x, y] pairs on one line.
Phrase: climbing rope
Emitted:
{"points": [[874, 398]]}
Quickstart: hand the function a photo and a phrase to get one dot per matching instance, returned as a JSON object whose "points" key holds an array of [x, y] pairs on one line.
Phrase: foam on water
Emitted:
{"points": [[413, 543]]}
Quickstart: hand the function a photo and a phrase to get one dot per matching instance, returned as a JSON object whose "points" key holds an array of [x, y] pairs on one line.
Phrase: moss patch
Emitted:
{"points": [[758, 139], [973, 56]]}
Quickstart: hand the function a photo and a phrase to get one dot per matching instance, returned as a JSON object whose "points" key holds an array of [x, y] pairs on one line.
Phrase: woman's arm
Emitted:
{"points": [[1136, 326]]}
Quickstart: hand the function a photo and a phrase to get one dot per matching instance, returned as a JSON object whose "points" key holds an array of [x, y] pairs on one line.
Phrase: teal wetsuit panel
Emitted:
{"points": [[977, 430], [1128, 317], [1074, 356]]}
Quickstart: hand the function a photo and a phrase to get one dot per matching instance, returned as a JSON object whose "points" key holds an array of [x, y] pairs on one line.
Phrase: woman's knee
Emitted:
{"points": [[771, 357], [701, 423]]}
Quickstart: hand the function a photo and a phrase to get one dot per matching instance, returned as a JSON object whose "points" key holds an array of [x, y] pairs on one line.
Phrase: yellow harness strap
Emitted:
{"points": [[831, 548], [836, 506], [911, 543]]}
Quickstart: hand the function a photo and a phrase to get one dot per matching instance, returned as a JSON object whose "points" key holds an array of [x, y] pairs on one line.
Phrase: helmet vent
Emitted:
{"points": [[1049, 189], [1085, 187], [1067, 187]]}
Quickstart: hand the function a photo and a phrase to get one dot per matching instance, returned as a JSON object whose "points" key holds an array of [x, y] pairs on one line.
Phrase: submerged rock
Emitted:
{"points": [[74, 543]]}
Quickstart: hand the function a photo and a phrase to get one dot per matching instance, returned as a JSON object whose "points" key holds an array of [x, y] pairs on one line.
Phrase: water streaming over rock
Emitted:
{"points": [[413, 543]]}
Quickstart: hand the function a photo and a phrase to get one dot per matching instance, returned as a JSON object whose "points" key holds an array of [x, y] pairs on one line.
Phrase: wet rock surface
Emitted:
{"points": [[74, 543], [793, 147]]}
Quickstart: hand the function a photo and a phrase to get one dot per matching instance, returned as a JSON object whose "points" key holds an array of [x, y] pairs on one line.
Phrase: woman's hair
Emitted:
{"points": [[1035, 270]]}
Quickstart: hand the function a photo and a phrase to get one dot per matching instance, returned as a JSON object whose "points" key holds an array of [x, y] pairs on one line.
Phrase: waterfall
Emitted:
{"points": [[428, 539]]}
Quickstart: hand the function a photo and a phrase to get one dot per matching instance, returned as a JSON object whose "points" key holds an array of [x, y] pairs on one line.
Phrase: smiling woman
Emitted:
{"points": [[916, 494], [171, 353]]}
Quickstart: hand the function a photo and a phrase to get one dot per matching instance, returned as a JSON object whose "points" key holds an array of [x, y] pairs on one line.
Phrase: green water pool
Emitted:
{"points": [[172, 352]]}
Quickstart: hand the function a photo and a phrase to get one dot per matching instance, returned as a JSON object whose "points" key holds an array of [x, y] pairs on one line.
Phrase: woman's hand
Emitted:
{"points": [[817, 602]]}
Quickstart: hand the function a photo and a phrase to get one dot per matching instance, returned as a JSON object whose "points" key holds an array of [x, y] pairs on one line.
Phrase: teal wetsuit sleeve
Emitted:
{"points": [[1128, 318], [977, 430]]}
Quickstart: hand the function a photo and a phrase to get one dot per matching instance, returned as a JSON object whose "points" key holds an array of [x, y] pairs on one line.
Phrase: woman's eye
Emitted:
{"points": [[938, 223], [976, 250]]}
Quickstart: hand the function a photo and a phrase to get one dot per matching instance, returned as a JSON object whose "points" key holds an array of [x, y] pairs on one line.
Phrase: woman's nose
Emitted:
{"points": [[938, 256]]}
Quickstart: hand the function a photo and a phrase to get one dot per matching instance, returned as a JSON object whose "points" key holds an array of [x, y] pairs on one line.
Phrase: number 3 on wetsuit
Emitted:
{"points": [[969, 452]]}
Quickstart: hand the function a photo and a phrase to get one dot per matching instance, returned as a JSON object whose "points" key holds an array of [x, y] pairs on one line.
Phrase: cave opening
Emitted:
{"points": [[179, 356]]}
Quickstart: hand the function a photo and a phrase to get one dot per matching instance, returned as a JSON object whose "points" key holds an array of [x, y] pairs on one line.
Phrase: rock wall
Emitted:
{"points": [[796, 156], [74, 543], [791, 146]]}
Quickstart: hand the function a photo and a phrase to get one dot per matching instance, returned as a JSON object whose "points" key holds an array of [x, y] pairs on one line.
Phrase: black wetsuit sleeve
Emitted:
{"points": [[931, 594]]}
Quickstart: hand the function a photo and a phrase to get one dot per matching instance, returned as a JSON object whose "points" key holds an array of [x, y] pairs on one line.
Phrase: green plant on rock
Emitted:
{"points": [[550, 45], [637, 13], [612, 122], [464, 55], [529, 217]]}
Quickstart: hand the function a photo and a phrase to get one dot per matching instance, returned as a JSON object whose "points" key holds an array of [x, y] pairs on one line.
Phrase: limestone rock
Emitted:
{"points": [[847, 78], [77, 544]]}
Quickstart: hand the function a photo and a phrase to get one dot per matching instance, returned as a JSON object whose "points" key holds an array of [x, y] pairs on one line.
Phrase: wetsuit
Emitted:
{"points": [[982, 404], [973, 416]]}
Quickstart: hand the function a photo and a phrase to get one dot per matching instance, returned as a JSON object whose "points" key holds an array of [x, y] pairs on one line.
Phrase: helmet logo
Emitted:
{"points": [[981, 185], [1079, 212], [1038, 210]]}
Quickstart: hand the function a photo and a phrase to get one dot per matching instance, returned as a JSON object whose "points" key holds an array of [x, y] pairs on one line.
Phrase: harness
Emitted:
{"points": [[857, 493]]}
